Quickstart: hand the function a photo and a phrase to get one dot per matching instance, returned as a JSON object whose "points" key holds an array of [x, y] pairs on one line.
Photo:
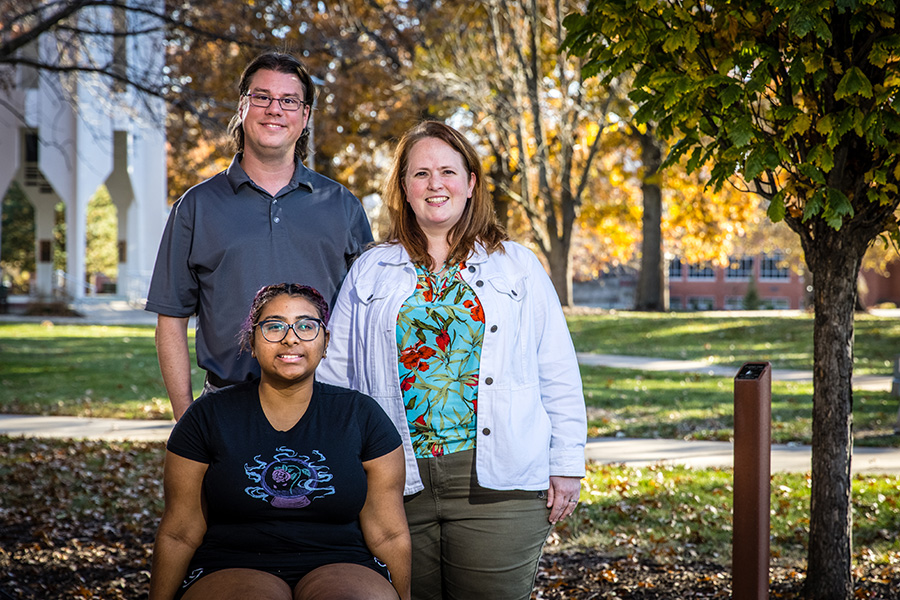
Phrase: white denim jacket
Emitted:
{"points": [[531, 415]]}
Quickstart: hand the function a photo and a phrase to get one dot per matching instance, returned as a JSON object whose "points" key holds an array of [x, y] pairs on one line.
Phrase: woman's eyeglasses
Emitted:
{"points": [[275, 330]]}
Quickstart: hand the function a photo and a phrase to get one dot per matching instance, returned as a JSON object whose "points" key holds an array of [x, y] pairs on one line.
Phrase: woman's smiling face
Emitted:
{"points": [[437, 185], [291, 359]]}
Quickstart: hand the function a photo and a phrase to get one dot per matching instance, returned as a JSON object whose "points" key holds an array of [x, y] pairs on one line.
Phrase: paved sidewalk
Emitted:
{"points": [[627, 451], [860, 382]]}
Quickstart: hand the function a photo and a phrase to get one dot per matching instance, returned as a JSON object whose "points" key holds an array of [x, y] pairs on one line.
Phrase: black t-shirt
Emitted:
{"points": [[285, 496]]}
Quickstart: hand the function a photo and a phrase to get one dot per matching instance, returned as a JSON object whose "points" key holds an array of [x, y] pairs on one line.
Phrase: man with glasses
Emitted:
{"points": [[267, 218]]}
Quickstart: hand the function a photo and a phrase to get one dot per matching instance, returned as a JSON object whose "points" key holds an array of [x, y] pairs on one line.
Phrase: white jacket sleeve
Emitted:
{"points": [[560, 379], [336, 367]]}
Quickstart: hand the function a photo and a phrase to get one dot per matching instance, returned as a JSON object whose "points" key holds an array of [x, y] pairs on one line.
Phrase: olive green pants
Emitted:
{"points": [[470, 542]]}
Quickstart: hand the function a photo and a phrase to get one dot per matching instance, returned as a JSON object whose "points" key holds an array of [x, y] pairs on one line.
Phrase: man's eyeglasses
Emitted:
{"points": [[274, 330], [265, 101]]}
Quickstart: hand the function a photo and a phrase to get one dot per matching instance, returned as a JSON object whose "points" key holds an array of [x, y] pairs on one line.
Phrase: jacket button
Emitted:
{"points": [[493, 328], [472, 269], [486, 431], [479, 283], [489, 380], [514, 293]]}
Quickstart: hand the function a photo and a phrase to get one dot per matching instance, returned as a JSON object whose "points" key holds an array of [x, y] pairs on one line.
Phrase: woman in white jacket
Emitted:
{"points": [[459, 335]]}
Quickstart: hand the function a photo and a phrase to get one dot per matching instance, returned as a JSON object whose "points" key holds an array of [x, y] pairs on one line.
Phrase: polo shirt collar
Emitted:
{"points": [[237, 176]]}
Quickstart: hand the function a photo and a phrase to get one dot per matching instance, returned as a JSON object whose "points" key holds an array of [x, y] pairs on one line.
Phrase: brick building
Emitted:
{"points": [[701, 287]]}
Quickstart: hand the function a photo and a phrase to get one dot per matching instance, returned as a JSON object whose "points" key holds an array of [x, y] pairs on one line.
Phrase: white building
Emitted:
{"points": [[64, 134]]}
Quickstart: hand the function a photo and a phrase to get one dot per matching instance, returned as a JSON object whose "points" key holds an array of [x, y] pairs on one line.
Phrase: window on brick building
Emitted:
{"points": [[701, 272], [675, 268], [774, 267], [701, 303], [740, 268]]}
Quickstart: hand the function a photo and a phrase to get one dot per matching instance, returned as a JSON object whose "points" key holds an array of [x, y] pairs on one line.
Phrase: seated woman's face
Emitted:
{"points": [[289, 339]]}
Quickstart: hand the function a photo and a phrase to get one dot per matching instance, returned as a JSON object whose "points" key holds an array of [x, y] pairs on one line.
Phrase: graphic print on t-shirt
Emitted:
{"points": [[289, 480]]}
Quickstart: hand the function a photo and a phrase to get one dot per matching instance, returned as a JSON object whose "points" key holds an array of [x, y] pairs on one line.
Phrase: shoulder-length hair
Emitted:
{"points": [[280, 63], [478, 222]]}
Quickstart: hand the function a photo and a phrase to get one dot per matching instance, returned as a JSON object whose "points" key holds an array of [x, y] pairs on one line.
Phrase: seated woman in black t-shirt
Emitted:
{"points": [[283, 488]]}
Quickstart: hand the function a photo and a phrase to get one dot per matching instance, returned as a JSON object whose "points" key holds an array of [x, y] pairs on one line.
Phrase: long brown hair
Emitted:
{"points": [[478, 222]]}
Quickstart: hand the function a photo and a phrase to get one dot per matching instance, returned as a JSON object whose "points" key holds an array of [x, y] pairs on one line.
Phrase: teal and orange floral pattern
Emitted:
{"points": [[440, 330]]}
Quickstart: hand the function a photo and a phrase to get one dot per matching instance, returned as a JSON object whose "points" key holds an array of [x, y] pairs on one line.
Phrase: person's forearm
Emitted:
{"points": [[175, 362], [171, 557], [396, 553]]}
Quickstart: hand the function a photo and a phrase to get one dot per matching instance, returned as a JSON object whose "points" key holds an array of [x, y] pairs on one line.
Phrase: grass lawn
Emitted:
{"points": [[98, 371], [680, 514], [646, 404], [110, 371], [785, 341]]}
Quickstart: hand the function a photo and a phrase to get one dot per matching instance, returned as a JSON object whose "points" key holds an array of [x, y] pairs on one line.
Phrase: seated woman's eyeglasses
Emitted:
{"points": [[274, 330], [265, 100]]}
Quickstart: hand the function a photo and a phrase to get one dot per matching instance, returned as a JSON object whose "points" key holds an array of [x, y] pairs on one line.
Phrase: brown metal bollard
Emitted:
{"points": [[752, 486]]}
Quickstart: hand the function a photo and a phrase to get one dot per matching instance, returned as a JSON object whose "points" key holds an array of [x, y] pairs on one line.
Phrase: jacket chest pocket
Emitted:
{"points": [[512, 320], [375, 297]]}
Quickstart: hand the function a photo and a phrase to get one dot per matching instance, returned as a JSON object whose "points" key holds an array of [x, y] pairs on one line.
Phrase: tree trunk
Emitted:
{"points": [[834, 264], [561, 271], [502, 178], [650, 291]]}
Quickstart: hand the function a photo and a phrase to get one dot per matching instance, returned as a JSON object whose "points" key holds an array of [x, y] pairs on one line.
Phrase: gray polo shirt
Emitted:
{"points": [[227, 237]]}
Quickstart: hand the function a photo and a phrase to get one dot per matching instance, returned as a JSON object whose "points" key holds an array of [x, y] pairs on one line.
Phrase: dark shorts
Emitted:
{"points": [[290, 576]]}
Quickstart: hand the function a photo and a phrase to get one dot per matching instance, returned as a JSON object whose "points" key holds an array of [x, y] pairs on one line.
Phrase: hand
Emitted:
{"points": [[562, 497]]}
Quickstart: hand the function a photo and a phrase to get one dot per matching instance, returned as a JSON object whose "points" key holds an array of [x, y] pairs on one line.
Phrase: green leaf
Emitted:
{"points": [[756, 163], [814, 205], [798, 125], [776, 208], [823, 156], [730, 95], [874, 131], [837, 208], [845, 121], [691, 39], [673, 41], [786, 113], [725, 65], [802, 21], [741, 133], [826, 124], [812, 173], [853, 82], [695, 160]]}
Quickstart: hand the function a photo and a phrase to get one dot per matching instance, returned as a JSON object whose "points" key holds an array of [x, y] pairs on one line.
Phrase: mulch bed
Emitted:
{"points": [[119, 570], [77, 521]]}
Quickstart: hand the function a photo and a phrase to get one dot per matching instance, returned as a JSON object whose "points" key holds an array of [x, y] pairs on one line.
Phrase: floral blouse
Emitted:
{"points": [[440, 330]]}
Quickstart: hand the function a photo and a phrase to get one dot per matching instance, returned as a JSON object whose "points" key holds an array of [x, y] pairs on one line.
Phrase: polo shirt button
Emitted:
{"points": [[277, 220], [489, 380], [486, 431], [479, 283], [514, 293], [493, 328]]}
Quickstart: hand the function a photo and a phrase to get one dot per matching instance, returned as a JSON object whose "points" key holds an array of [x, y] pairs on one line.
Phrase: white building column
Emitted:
{"points": [[10, 124]]}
